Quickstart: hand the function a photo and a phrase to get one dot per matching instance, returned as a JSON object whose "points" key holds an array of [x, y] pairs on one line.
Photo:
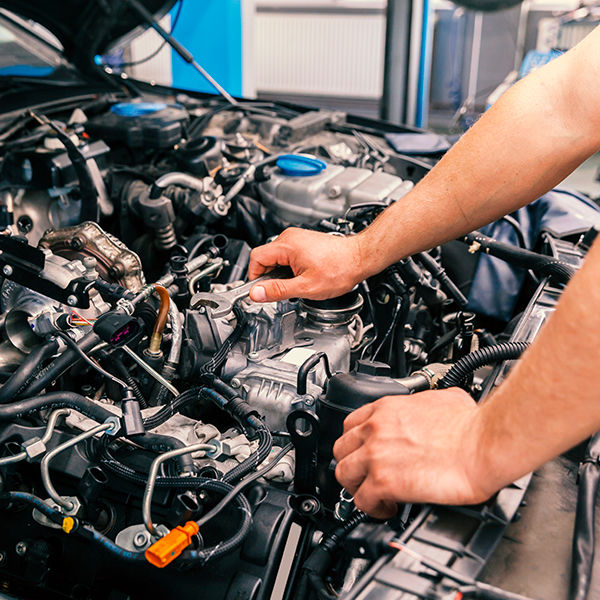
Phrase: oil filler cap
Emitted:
{"points": [[300, 165]]}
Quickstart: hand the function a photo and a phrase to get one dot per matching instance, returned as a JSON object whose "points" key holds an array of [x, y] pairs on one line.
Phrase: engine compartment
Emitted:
{"points": [[141, 385]]}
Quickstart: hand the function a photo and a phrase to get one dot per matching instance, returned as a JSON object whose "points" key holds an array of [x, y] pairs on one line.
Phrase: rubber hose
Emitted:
{"points": [[59, 365], [19, 380], [520, 257], [583, 534], [483, 356], [161, 319]]}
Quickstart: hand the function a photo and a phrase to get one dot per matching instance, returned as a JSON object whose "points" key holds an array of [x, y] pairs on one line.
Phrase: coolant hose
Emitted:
{"points": [[161, 319], [583, 534], [483, 356], [526, 259], [30, 366], [60, 364]]}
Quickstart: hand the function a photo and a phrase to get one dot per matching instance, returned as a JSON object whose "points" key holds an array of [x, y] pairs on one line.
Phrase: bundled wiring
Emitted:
{"points": [[220, 355]]}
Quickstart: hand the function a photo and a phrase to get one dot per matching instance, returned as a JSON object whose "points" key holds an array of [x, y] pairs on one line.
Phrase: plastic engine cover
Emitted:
{"points": [[303, 200]]}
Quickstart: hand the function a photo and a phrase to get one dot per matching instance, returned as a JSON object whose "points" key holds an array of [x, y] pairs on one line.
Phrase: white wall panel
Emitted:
{"points": [[328, 54]]}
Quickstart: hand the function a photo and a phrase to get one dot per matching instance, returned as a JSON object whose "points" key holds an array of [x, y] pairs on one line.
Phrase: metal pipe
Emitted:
{"points": [[153, 473], [176, 323], [54, 416], [45, 464], [210, 269], [153, 373]]}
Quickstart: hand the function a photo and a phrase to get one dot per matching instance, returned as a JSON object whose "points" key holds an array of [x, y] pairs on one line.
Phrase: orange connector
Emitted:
{"points": [[169, 547]]}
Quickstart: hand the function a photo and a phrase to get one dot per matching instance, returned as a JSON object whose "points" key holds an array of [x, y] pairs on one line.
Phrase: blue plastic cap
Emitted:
{"points": [[300, 165], [136, 109]]}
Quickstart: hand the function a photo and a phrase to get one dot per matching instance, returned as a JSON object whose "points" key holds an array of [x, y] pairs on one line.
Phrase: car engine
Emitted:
{"points": [[161, 435]]}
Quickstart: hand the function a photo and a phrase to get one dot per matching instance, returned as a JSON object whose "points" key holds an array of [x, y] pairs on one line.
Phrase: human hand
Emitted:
{"points": [[324, 265], [419, 448]]}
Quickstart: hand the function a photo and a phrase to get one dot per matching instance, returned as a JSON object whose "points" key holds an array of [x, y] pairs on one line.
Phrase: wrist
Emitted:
{"points": [[484, 460]]}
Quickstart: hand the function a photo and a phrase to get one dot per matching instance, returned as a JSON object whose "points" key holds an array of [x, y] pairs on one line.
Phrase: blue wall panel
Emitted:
{"points": [[212, 32]]}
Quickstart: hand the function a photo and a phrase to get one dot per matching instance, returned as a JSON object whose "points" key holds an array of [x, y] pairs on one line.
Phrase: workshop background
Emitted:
{"points": [[429, 63]]}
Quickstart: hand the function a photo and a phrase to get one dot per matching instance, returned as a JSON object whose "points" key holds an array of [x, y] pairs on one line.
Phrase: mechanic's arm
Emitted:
{"points": [[534, 136], [441, 447]]}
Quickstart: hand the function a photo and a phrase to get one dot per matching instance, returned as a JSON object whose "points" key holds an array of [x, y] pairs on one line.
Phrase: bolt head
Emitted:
{"points": [[235, 383], [7, 270], [72, 300], [140, 539], [2, 557], [21, 548]]}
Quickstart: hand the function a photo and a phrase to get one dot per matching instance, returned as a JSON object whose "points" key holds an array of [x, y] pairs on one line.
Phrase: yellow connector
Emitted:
{"points": [[169, 547]]}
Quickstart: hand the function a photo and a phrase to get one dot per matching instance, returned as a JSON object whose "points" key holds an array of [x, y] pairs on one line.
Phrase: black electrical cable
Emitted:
{"points": [[173, 407], [440, 274], [213, 512], [28, 369], [583, 535], [160, 46], [129, 380], [87, 188], [519, 257], [483, 356], [517, 228], [194, 557], [220, 355], [73, 344], [319, 562]]}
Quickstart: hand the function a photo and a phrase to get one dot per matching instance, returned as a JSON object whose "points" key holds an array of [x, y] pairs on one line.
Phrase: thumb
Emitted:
{"points": [[273, 290]]}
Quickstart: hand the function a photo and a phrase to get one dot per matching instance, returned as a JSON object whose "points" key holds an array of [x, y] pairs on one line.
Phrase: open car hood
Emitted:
{"points": [[86, 28]]}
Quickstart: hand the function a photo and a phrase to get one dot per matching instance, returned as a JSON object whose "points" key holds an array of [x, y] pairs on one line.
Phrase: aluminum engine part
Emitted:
{"points": [[280, 341], [26, 313], [307, 200], [36, 211], [115, 261]]}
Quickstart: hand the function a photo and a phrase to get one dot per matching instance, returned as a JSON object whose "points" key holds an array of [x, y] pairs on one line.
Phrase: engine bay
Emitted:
{"points": [[161, 435]]}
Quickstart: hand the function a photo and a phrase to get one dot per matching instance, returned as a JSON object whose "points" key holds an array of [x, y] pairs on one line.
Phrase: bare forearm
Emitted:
{"points": [[522, 147], [549, 402]]}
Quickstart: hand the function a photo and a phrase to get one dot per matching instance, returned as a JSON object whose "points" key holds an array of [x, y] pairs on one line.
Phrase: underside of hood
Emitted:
{"points": [[86, 28]]}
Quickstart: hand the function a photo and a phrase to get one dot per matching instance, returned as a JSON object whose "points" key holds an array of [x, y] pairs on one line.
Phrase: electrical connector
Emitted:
{"points": [[169, 547]]}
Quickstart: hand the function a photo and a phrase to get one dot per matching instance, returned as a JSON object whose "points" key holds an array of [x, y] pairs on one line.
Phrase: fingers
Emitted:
{"points": [[359, 416], [264, 258], [352, 471], [368, 499], [274, 290], [348, 443]]}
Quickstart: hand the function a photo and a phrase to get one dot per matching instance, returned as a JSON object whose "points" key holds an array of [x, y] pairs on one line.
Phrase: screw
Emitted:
{"points": [[72, 300], [21, 548], [235, 383], [2, 557], [140, 539], [7, 270], [309, 400], [309, 505], [202, 496]]}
